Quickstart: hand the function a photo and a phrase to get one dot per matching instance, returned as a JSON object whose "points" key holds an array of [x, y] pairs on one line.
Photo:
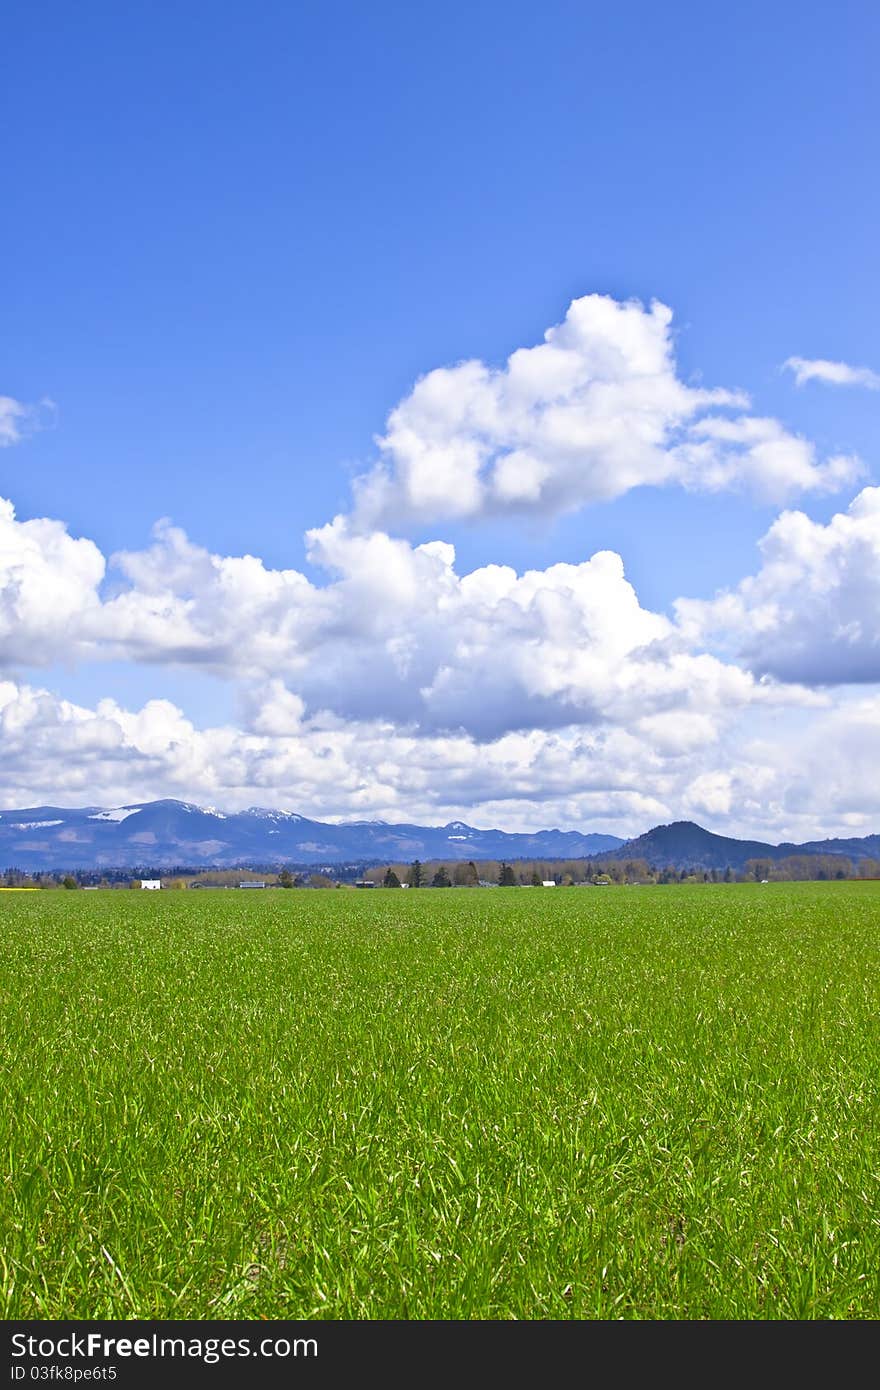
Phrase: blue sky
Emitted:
{"points": [[235, 237]]}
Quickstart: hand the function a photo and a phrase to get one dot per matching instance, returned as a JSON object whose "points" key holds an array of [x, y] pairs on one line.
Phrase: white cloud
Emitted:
{"points": [[812, 612], [596, 409], [404, 689], [759, 454], [12, 415], [17, 421], [816, 779], [709, 794], [401, 689], [831, 373], [812, 777], [56, 751], [48, 589], [396, 634]]}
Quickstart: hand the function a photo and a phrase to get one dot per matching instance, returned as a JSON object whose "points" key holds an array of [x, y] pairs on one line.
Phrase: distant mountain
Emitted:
{"points": [[169, 833], [868, 847], [177, 833], [685, 845]]}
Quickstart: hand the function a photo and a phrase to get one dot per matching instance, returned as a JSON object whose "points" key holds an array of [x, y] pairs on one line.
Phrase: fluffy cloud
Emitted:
{"points": [[48, 588], [760, 454], [57, 751], [831, 373], [595, 410], [402, 688], [395, 634], [817, 779], [812, 612]]}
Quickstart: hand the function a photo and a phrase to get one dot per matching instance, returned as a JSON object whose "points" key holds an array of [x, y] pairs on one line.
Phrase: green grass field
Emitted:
{"points": [[592, 1103]]}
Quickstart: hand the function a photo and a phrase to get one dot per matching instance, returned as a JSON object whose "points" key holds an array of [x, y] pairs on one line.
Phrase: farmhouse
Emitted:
{"points": [[152, 883]]}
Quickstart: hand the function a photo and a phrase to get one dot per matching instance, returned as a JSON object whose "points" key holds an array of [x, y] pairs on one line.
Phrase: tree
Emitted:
{"points": [[537, 881], [390, 880], [727, 874], [506, 877], [465, 875], [441, 879], [414, 877], [69, 882], [285, 879]]}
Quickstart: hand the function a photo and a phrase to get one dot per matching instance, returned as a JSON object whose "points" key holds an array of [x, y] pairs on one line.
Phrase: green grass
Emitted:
{"points": [[637, 1103]]}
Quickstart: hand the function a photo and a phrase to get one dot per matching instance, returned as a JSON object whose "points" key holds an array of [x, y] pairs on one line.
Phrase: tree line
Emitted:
{"points": [[572, 872], [482, 873]]}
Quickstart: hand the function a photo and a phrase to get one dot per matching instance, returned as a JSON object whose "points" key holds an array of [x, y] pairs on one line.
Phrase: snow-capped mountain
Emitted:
{"points": [[180, 833]]}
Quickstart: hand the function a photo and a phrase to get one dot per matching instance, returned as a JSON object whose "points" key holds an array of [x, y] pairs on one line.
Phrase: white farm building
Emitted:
{"points": [[152, 883]]}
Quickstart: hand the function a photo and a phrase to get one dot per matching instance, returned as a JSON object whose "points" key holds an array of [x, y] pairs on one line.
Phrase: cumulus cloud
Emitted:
{"points": [[596, 409], [57, 751], [396, 633], [819, 777], [812, 612], [402, 688], [831, 373], [48, 588], [183, 604], [760, 454]]}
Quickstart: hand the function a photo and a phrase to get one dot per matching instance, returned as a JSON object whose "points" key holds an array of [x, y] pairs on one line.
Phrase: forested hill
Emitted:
{"points": [[685, 845]]}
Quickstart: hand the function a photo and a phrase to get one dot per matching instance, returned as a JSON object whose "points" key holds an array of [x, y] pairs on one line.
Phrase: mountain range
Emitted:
{"points": [[177, 833]]}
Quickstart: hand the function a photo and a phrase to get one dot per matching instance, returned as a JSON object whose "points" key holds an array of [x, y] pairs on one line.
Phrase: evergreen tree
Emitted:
{"points": [[441, 878], [537, 881], [506, 877], [414, 877], [390, 880], [285, 879]]}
